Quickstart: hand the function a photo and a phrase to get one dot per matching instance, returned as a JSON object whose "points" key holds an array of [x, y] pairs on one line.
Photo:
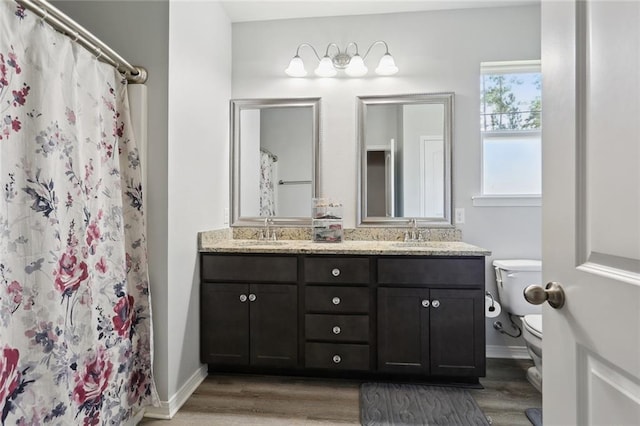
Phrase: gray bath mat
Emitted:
{"points": [[392, 404], [534, 415]]}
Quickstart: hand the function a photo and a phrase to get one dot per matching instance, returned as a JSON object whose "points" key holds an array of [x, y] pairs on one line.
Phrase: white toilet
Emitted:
{"points": [[512, 277]]}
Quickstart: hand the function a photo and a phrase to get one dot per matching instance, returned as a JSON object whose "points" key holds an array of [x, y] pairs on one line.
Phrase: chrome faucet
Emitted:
{"points": [[267, 233], [412, 233]]}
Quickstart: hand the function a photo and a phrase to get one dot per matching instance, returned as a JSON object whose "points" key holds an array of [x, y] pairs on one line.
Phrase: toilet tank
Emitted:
{"points": [[512, 277]]}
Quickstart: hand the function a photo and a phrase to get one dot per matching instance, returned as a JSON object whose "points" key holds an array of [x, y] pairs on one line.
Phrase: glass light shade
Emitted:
{"points": [[325, 68], [296, 68], [387, 66], [356, 67]]}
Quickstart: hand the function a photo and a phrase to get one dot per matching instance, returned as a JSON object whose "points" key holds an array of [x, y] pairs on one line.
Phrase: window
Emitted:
{"points": [[510, 129]]}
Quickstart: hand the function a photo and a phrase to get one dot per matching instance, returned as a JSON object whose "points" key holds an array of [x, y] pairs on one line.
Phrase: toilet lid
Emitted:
{"points": [[533, 323], [518, 265]]}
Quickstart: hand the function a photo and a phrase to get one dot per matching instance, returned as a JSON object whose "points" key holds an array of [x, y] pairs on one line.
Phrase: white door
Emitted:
{"points": [[591, 211], [432, 176]]}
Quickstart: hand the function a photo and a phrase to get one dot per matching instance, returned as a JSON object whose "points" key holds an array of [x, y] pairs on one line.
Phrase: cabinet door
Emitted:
{"points": [[224, 324], [274, 325], [403, 330], [457, 333]]}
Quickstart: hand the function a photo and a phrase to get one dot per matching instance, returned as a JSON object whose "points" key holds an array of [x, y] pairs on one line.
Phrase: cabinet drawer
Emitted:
{"points": [[337, 299], [338, 328], [250, 268], [347, 270], [337, 356], [447, 271]]}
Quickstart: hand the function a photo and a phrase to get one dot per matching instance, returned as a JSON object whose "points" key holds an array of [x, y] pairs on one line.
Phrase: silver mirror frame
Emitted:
{"points": [[236, 106], [447, 100]]}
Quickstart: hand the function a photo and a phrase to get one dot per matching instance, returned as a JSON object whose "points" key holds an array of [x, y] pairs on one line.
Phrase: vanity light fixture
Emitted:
{"points": [[352, 64]]}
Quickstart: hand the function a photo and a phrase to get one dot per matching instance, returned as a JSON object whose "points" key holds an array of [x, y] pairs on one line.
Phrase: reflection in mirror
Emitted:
{"points": [[405, 159], [274, 154]]}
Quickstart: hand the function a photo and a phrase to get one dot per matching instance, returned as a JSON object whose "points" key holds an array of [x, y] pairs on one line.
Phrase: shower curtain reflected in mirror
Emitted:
{"points": [[75, 316], [268, 163]]}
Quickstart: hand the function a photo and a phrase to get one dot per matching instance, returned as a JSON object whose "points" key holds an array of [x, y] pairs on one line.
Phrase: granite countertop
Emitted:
{"points": [[426, 248]]}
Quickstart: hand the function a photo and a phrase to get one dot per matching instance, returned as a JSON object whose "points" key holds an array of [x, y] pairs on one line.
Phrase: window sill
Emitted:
{"points": [[507, 200]]}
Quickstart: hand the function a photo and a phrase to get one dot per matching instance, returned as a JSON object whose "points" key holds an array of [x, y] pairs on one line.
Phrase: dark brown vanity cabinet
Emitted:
{"points": [[321, 314], [252, 322], [431, 331], [432, 322]]}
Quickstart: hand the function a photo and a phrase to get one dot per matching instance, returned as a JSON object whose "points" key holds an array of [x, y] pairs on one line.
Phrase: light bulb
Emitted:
{"points": [[296, 68], [325, 68], [356, 67], [387, 66]]}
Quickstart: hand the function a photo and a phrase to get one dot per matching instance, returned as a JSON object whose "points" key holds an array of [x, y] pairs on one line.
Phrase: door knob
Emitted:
{"points": [[552, 293]]}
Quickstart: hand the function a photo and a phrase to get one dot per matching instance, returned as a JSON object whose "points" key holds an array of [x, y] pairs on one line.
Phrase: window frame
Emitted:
{"points": [[516, 199]]}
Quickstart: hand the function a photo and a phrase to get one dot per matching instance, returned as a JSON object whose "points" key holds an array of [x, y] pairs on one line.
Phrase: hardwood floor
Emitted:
{"points": [[272, 400]]}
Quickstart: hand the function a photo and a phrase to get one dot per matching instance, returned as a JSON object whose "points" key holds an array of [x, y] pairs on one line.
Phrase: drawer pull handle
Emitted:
{"points": [[243, 298], [335, 272], [425, 303], [252, 297], [337, 359], [435, 303], [335, 300], [336, 330]]}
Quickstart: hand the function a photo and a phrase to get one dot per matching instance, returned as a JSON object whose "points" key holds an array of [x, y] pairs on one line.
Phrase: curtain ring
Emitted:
{"points": [[76, 35], [98, 53]]}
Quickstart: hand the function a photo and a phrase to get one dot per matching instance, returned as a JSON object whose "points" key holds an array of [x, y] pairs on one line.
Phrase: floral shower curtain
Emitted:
{"points": [[75, 317], [267, 190]]}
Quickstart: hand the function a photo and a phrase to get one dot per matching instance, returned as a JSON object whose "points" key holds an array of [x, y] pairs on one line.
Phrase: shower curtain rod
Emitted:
{"points": [[63, 23], [270, 154]]}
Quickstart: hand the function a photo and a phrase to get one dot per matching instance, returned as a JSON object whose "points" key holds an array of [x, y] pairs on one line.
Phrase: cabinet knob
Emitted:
{"points": [[337, 359], [425, 303], [252, 297], [243, 298], [335, 272], [335, 300], [336, 330], [435, 303]]}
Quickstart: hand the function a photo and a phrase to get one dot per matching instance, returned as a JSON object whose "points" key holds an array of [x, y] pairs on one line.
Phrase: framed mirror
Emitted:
{"points": [[404, 144], [274, 160]]}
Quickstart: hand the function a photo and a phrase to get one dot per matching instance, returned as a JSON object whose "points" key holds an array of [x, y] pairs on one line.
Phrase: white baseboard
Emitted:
{"points": [[515, 352], [168, 409]]}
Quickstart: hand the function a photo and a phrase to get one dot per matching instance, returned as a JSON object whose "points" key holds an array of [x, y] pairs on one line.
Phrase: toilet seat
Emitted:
{"points": [[533, 324]]}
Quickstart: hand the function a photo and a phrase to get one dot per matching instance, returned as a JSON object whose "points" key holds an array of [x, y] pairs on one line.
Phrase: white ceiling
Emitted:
{"points": [[265, 10]]}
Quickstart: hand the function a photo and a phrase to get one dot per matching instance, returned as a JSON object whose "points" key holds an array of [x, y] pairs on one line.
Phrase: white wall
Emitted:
{"points": [[285, 133], [436, 52], [250, 162], [198, 170]]}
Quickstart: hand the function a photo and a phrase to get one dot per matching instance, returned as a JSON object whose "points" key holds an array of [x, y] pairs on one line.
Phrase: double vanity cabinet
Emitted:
{"points": [[300, 308]]}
